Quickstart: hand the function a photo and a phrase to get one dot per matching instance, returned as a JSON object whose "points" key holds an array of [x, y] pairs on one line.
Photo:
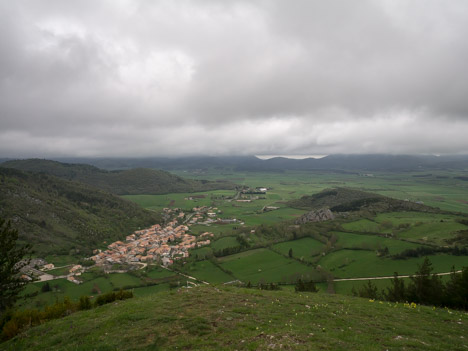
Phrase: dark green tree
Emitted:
{"points": [[12, 259], [456, 290], [290, 253], [424, 287], [397, 291], [299, 285], [308, 286], [368, 290], [46, 287]]}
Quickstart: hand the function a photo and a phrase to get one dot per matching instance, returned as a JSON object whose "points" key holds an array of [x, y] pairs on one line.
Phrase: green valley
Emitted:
{"points": [[273, 228]]}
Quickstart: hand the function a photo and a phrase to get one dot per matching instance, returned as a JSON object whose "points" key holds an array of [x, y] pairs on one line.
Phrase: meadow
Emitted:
{"points": [[441, 189], [363, 263], [95, 282], [303, 249], [229, 318], [371, 243], [206, 271], [265, 266]]}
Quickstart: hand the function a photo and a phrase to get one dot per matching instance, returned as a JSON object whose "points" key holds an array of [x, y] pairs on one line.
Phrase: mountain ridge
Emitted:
{"points": [[343, 162], [134, 181]]}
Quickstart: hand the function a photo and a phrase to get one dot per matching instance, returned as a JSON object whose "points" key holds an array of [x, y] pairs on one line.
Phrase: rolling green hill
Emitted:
{"points": [[346, 199], [64, 217], [229, 318], [123, 182]]}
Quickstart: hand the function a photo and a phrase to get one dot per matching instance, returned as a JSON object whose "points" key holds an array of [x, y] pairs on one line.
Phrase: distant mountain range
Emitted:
{"points": [[121, 182], [351, 163]]}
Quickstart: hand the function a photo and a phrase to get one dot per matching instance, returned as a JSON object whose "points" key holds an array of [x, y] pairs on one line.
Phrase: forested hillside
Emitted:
{"points": [[346, 199], [65, 217], [124, 182]]}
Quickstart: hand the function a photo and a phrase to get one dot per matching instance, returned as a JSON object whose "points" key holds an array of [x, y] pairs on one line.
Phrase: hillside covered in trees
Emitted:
{"points": [[65, 217], [121, 182], [346, 199]]}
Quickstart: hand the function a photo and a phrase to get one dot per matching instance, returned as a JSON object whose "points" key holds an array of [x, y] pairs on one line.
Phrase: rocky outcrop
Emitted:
{"points": [[323, 214]]}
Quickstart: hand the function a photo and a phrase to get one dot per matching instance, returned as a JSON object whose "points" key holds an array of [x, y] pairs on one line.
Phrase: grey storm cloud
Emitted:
{"points": [[139, 78]]}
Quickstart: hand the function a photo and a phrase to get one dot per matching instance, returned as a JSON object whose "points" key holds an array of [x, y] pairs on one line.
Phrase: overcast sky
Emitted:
{"points": [[158, 78]]}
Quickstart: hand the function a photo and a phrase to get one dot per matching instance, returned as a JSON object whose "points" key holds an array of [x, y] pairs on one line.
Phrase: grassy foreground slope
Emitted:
{"points": [[124, 182], [64, 217], [208, 318]]}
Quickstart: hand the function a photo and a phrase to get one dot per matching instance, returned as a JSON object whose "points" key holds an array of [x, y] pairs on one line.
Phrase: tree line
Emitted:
{"points": [[424, 288]]}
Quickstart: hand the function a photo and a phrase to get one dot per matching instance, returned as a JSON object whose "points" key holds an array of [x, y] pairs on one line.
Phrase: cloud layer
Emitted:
{"points": [[139, 78]]}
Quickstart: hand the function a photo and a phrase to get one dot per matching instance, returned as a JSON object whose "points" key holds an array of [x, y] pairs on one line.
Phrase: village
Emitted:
{"points": [[162, 244], [153, 244], [158, 244]]}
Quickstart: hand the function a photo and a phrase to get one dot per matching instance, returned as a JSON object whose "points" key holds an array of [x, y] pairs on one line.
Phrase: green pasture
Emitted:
{"points": [[363, 225], [431, 228], [202, 252], [225, 242], [362, 263], [207, 271], [157, 272], [180, 200], [303, 249], [448, 193], [432, 232], [217, 229], [248, 212], [411, 217], [61, 260], [270, 217], [372, 242], [59, 271], [91, 281], [263, 265]]}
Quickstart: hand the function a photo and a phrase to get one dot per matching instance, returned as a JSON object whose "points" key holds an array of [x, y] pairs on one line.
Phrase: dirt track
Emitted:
{"points": [[390, 277]]}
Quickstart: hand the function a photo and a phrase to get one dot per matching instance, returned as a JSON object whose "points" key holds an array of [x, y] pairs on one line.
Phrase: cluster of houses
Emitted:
{"points": [[74, 272], [156, 243], [209, 215]]}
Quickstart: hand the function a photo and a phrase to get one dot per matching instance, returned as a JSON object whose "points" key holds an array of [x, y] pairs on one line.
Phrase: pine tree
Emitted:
{"points": [[299, 285], [11, 261], [369, 290], [396, 292], [456, 290], [424, 288]]}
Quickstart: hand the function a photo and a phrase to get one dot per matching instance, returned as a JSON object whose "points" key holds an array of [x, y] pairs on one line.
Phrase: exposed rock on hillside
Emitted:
{"points": [[323, 214]]}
